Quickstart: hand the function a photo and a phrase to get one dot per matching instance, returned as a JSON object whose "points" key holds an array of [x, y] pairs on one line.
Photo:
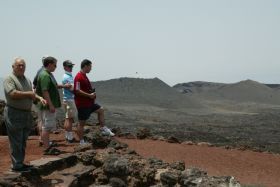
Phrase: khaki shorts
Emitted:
{"points": [[48, 120], [70, 110]]}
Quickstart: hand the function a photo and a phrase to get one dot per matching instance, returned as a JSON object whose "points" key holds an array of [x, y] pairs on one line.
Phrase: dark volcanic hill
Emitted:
{"points": [[243, 91], [274, 86], [139, 91], [197, 87]]}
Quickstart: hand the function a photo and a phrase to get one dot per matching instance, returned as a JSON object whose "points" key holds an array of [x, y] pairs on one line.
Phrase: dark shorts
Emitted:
{"points": [[85, 112]]}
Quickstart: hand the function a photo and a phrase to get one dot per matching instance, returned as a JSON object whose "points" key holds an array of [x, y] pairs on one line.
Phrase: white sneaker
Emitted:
{"points": [[106, 131]]}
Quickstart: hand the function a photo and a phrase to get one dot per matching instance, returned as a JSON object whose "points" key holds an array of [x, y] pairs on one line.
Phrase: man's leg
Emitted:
{"points": [[70, 108], [48, 125], [39, 124], [15, 134], [45, 138], [26, 131], [105, 130], [80, 130], [100, 116]]}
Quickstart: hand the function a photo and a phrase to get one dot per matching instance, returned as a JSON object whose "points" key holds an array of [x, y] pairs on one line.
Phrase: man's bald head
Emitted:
{"points": [[19, 66]]}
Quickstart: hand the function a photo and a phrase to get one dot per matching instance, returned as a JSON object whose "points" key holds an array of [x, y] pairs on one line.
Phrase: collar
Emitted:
{"points": [[68, 73]]}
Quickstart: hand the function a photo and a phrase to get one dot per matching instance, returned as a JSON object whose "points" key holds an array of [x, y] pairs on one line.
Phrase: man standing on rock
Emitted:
{"points": [[85, 101], [17, 113], [47, 87], [68, 101]]}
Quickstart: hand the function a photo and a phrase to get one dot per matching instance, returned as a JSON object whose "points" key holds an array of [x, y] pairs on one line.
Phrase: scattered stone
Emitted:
{"points": [[143, 133], [178, 165], [83, 148], [168, 178], [87, 157], [157, 163], [172, 139], [117, 145], [117, 131], [188, 143], [117, 182], [157, 137], [127, 135], [206, 144], [116, 166], [97, 139]]}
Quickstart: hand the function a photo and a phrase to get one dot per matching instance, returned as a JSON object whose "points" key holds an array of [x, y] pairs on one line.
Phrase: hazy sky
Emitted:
{"points": [[174, 40]]}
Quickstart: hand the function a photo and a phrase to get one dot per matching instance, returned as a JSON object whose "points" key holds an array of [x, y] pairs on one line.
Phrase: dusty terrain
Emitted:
{"points": [[255, 131], [248, 167]]}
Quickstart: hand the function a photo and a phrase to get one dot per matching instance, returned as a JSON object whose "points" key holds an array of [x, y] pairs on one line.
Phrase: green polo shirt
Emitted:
{"points": [[47, 82]]}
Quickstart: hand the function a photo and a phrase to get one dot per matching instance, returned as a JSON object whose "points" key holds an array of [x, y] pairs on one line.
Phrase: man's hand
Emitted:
{"points": [[51, 108], [67, 85], [92, 95], [43, 101]]}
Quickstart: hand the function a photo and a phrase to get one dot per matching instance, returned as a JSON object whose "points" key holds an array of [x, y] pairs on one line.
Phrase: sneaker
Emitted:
{"points": [[27, 166], [83, 142], [106, 131], [70, 141]]}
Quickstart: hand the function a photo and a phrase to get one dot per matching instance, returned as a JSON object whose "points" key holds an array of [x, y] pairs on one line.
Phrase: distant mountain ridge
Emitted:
{"points": [[197, 86], [143, 91], [243, 91]]}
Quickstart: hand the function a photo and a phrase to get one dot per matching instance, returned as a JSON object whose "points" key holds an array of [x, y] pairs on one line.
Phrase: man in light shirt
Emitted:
{"points": [[17, 113], [68, 101]]}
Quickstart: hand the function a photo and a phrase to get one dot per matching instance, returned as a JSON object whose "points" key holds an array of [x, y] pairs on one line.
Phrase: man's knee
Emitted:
{"points": [[100, 110]]}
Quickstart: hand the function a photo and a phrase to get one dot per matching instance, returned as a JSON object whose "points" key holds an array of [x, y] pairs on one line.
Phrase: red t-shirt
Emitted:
{"points": [[81, 82]]}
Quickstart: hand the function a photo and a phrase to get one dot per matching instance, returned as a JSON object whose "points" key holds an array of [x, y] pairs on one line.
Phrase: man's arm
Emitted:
{"points": [[84, 94], [15, 94], [10, 89], [46, 96], [67, 86]]}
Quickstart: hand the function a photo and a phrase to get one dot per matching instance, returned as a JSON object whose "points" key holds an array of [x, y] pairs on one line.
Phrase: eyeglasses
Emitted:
{"points": [[70, 67]]}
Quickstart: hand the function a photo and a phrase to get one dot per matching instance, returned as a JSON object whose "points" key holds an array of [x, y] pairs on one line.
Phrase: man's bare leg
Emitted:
{"points": [[80, 130]]}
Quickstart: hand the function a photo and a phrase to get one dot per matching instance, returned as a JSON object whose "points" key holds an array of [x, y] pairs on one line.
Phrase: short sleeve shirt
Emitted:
{"points": [[67, 93], [81, 82], [10, 85], [47, 82]]}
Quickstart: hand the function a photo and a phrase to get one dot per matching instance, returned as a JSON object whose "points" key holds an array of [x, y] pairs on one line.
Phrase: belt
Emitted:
{"points": [[25, 110]]}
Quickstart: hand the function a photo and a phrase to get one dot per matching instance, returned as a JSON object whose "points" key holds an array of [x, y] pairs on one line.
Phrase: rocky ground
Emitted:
{"points": [[140, 159], [107, 161], [258, 130]]}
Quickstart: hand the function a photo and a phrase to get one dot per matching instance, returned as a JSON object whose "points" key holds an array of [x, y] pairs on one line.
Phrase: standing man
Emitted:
{"points": [[17, 113], [85, 101], [68, 100], [38, 111], [47, 88]]}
